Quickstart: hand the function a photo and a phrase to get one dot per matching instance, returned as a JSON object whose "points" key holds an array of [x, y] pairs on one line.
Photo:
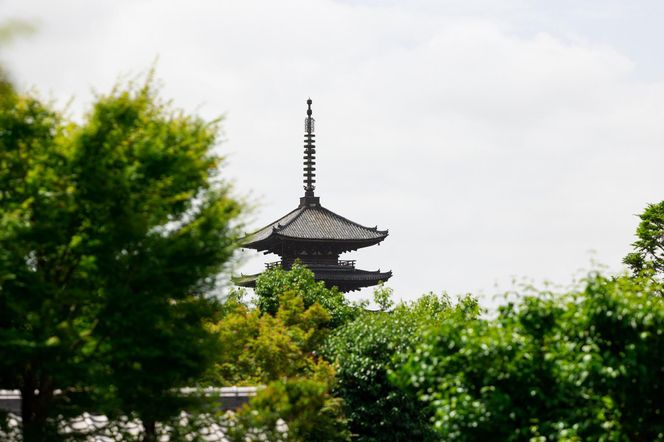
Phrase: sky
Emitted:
{"points": [[497, 141]]}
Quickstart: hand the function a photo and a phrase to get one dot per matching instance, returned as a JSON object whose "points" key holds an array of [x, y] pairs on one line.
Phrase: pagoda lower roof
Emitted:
{"points": [[313, 222], [345, 280]]}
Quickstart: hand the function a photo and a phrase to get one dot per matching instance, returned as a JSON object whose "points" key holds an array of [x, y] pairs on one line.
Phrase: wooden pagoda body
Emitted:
{"points": [[316, 236]]}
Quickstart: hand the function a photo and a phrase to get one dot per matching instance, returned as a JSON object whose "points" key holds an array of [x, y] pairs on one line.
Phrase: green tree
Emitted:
{"points": [[274, 282], [366, 349], [586, 366], [383, 297], [111, 234], [296, 410], [259, 348], [281, 350], [648, 254]]}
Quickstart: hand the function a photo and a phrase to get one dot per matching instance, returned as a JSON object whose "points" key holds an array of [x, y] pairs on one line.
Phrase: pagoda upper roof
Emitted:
{"points": [[313, 222]]}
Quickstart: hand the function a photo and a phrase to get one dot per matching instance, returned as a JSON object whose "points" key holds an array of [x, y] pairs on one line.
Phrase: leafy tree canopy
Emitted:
{"points": [[295, 410], [111, 234], [256, 348], [274, 282], [586, 366], [281, 349], [366, 349], [648, 254]]}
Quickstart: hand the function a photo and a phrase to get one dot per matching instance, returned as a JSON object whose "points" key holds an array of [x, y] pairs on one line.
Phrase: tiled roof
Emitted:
{"points": [[344, 279], [99, 428], [317, 223], [355, 275]]}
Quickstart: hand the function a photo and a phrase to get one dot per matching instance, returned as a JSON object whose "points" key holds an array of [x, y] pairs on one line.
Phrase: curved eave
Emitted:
{"points": [[277, 239], [346, 281]]}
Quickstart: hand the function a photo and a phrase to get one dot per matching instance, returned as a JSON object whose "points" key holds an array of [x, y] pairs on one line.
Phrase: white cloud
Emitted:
{"points": [[488, 148]]}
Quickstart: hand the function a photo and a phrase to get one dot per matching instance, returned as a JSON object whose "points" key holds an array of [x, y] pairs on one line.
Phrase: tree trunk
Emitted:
{"points": [[36, 399], [150, 431]]}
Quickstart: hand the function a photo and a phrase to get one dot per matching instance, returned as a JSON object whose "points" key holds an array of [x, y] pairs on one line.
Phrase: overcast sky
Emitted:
{"points": [[494, 139]]}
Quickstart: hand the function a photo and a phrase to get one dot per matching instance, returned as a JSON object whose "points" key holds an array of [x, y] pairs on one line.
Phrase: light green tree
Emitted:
{"points": [[280, 350], [256, 348]]}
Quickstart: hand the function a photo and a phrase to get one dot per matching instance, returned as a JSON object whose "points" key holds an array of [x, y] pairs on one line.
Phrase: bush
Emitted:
{"points": [[585, 366], [366, 349]]}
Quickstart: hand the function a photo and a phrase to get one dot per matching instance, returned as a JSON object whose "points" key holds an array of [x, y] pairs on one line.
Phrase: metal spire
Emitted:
{"points": [[309, 154]]}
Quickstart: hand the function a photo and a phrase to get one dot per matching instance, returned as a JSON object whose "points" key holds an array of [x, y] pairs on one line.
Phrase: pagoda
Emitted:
{"points": [[316, 236]]}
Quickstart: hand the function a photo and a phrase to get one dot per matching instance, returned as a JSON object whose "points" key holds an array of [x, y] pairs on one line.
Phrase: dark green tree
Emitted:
{"points": [[111, 234], [587, 366], [366, 349]]}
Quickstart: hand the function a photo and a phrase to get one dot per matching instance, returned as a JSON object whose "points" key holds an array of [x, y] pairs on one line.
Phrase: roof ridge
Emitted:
{"points": [[272, 224], [281, 227], [373, 229]]}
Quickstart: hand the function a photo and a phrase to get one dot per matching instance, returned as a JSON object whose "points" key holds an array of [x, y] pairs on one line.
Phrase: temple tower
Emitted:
{"points": [[315, 235]]}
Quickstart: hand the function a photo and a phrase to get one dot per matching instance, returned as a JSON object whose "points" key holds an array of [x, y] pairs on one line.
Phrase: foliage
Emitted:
{"points": [[296, 410], [259, 348], [365, 350], [383, 297], [274, 282], [587, 366], [648, 255], [111, 233], [280, 348]]}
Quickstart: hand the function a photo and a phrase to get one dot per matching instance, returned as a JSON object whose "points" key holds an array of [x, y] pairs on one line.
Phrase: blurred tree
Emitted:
{"points": [[648, 255], [111, 234], [366, 349], [583, 367]]}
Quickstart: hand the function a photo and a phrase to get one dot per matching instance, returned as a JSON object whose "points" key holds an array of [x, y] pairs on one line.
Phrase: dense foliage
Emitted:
{"points": [[111, 233], [367, 348], [281, 349], [272, 283], [256, 348], [294, 410], [587, 366], [113, 230]]}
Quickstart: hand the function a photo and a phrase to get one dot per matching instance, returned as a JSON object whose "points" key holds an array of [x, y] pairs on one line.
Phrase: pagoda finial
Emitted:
{"points": [[309, 155]]}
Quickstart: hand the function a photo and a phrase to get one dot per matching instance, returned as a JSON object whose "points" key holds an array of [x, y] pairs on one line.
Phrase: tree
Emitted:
{"points": [[365, 351], [648, 255], [256, 349], [111, 234], [281, 349], [279, 345], [272, 283], [586, 366], [294, 410]]}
